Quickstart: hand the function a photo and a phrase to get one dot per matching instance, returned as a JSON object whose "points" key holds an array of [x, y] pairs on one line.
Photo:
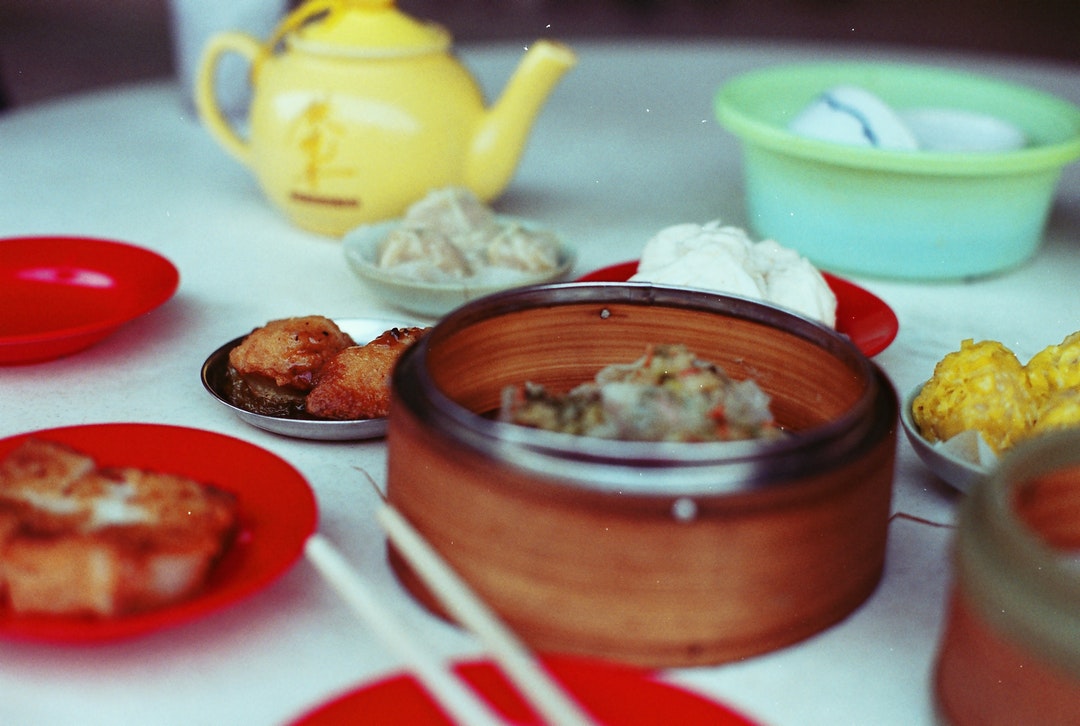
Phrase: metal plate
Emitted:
{"points": [[362, 330]]}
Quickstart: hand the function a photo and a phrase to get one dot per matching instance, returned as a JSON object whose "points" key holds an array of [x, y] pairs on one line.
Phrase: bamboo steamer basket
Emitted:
{"points": [[1010, 650], [659, 554]]}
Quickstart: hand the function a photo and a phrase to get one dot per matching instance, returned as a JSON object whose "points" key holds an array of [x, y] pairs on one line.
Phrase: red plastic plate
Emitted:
{"points": [[60, 295], [611, 694], [862, 316], [277, 514]]}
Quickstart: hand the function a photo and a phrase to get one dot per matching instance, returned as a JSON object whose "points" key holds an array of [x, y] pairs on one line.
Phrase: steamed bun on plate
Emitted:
{"points": [[713, 256], [980, 387]]}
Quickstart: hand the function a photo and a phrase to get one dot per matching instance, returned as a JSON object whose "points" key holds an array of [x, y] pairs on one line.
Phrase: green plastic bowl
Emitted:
{"points": [[900, 214]]}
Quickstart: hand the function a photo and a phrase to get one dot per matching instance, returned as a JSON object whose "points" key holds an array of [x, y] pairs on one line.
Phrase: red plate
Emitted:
{"points": [[277, 515], [60, 295], [612, 694], [862, 316]]}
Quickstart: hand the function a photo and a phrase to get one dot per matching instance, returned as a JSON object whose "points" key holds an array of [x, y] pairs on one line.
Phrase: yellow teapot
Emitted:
{"points": [[358, 110]]}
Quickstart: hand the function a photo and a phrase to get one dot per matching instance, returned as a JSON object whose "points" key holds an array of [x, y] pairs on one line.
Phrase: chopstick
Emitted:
{"points": [[547, 698], [461, 703]]}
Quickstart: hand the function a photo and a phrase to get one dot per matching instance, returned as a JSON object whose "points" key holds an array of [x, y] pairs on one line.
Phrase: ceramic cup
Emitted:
{"points": [[1010, 647], [194, 22]]}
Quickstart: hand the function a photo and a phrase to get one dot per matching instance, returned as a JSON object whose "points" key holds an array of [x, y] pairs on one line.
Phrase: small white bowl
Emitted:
{"points": [[954, 470], [434, 299]]}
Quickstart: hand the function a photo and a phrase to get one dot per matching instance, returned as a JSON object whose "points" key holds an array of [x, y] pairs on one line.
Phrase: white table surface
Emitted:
{"points": [[626, 145]]}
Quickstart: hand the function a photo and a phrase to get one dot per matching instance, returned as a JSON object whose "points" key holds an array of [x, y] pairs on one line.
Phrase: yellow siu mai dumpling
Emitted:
{"points": [[981, 387], [1054, 368], [1060, 411]]}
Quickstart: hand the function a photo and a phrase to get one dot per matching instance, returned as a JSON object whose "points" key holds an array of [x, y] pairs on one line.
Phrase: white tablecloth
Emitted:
{"points": [[626, 145]]}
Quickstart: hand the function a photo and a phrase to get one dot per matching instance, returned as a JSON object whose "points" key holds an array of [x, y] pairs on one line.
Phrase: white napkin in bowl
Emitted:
{"points": [[853, 115]]}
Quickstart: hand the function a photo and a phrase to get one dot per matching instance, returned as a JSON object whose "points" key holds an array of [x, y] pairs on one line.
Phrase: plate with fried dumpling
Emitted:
{"points": [[343, 392]]}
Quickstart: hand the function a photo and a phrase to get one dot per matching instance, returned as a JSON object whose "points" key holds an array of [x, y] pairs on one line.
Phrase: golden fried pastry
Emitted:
{"points": [[42, 471], [1061, 410], [79, 540], [981, 387], [1055, 368], [275, 366], [356, 383], [34, 481], [290, 351]]}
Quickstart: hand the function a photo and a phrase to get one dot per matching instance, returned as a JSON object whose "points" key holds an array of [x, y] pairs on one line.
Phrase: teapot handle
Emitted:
{"points": [[206, 98]]}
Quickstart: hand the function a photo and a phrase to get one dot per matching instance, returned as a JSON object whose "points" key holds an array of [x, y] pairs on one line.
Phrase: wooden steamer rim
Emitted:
{"points": [[614, 466], [658, 554], [1010, 651]]}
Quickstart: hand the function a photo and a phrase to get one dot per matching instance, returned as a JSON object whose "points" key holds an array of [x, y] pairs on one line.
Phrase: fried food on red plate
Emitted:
{"points": [[276, 365], [34, 479], [80, 540], [42, 471], [356, 383]]}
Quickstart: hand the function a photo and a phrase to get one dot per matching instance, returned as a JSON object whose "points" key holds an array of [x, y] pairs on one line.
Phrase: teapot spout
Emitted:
{"points": [[499, 140]]}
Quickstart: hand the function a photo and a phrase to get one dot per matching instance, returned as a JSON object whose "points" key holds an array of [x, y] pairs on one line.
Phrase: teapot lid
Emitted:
{"points": [[365, 26]]}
